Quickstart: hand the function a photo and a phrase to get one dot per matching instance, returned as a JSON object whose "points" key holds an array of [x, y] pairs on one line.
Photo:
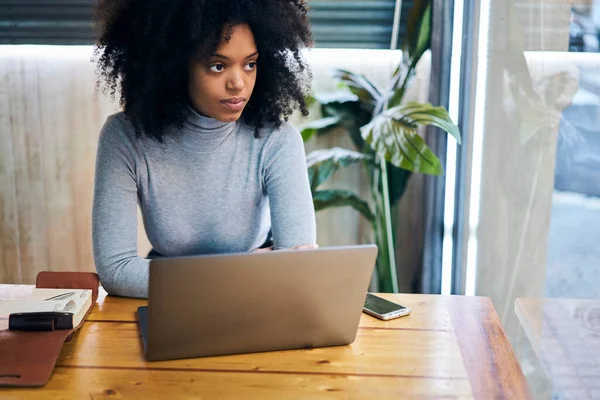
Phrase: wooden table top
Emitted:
{"points": [[565, 335], [449, 347]]}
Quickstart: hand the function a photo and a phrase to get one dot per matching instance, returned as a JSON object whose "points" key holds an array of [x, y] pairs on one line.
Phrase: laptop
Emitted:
{"points": [[254, 302]]}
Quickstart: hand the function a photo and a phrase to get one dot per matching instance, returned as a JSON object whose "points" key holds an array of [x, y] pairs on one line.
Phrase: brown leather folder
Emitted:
{"points": [[28, 358]]}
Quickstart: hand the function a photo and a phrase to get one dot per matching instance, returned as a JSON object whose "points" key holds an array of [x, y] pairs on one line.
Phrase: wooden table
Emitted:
{"points": [[565, 335], [449, 347]]}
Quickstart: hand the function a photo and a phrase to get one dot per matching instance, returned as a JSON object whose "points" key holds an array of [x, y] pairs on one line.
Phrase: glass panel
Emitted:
{"points": [[533, 192]]}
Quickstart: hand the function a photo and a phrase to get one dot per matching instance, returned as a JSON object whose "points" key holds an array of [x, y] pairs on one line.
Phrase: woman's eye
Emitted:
{"points": [[250, 66], [217, 67]]}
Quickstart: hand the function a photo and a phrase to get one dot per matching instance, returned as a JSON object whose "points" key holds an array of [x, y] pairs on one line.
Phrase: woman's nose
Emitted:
{"points": [[235, 81]]}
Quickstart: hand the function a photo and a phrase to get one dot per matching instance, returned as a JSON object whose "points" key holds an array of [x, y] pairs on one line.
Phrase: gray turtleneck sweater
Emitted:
{"points": [[211, 187]]}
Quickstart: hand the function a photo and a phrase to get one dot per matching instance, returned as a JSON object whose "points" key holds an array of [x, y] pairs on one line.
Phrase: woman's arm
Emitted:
{"points": [[114, 215], [286, 181]]}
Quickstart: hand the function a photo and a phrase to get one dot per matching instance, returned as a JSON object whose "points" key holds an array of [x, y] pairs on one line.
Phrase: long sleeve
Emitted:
{"points": [[286, 181], [114, 215]]}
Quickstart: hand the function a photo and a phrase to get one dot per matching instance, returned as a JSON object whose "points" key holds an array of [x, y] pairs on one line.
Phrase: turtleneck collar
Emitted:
{"points": [[204, 134]]}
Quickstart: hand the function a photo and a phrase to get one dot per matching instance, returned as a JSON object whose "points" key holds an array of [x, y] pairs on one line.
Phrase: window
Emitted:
{"points": [[336, 23]]}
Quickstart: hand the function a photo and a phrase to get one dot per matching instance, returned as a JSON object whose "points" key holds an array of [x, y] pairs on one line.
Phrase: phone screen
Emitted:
{"points": [[381, 306]]}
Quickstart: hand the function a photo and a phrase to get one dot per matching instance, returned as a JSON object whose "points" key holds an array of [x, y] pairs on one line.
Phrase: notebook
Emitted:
{"points": [[75, 302]]}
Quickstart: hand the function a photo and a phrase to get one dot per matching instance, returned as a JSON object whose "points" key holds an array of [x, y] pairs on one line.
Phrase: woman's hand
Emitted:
{"points": [[263, 250], [307, 247], [301, 247]]}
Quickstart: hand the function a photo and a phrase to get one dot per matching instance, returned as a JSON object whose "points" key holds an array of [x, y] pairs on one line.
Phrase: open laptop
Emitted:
{"points": [[253, 302]]}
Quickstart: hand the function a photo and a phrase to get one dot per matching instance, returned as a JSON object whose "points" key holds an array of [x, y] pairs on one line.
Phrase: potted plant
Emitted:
{"points": [[384, 131]]}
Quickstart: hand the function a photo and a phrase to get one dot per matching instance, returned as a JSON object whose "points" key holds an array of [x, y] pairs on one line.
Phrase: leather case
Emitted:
{"points": [[28, 358]]}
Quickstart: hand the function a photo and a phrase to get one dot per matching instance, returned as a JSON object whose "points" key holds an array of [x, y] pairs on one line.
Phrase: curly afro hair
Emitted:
{"points": [[145, 47]]}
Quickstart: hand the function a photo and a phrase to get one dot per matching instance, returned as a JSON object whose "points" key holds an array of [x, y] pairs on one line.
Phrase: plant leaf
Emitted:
{"points": [[417, 42], [397, 182], [399, 90], [393, 135], [426, 114], [537, 119], [322, 164], [310, 101], [424, 37], [414, 27], [347, 107], [341, 97], [319, 126], [362, 87], [323, 199]]}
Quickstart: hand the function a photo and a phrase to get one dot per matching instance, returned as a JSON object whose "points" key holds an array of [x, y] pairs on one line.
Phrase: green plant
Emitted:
{"points": [[384, 131]]}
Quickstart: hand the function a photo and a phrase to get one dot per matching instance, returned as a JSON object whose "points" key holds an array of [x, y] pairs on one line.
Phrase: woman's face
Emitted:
{"points": [[221, 86]]}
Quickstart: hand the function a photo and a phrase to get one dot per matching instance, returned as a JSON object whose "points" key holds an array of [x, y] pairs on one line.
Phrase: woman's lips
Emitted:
{"points": [[234, 104]]}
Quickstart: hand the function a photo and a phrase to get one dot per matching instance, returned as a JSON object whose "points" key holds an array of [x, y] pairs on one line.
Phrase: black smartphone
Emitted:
{"points": [[384, 309]]}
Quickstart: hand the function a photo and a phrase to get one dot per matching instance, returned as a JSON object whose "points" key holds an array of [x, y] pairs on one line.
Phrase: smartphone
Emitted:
{"points": [[384, 309]]}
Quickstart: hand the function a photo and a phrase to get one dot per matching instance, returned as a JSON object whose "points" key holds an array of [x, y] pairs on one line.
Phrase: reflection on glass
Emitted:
{"points": [[534, 216]]}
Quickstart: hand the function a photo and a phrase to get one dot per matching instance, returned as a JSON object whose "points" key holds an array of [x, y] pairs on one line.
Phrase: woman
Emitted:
{"points": [[202, 144]]}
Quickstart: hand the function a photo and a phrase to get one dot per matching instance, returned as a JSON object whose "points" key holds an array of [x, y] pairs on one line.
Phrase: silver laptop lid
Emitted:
{"points": [[240, 303]]}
